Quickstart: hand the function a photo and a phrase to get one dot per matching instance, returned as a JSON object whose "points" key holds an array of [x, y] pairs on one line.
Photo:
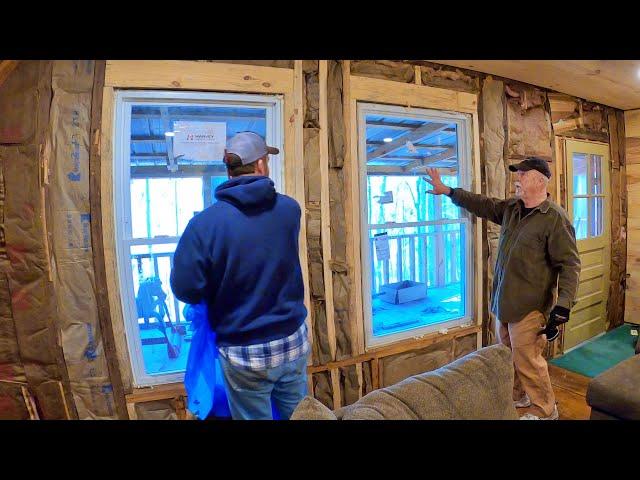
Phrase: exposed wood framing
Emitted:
{"points": [[325, 212], [400, 347], [175, 74], [335, 388], [294, 168], [615, 307], [353, 208], [360, 380], [375, 373], [97, 250], [412, 95], [477, 231], [160, 392], [632, 162], [107, 207], [171, 391]]}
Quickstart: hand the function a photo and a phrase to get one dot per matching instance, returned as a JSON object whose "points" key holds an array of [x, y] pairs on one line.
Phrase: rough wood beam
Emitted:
{"points": [[417, 145], [399, 170], [402, 158], [446, 155], [400, 126], [412, 136]]}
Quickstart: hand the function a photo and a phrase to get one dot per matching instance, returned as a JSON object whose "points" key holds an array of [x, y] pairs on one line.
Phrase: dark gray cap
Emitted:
{"points": [[532, 163]]}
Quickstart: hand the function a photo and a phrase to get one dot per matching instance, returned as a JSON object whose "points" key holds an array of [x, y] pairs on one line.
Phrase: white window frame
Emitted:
{"points": [[122, 194], [465, 167]]}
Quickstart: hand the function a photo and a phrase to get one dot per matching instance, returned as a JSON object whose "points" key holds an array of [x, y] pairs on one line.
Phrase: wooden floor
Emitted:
{"points": [[571, 390]]}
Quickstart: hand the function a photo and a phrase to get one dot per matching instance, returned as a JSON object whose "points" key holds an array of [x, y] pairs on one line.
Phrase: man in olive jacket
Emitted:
{"points": [[537, 258]]}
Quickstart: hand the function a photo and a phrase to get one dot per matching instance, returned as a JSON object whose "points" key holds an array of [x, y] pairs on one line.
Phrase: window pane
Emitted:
{"points": [[164, 332], [215, 183], [168, 167], [189, 200], [396, 199], [596, 174], [417, 272], [580, 213], [449, 210], [175, 164], [579, 174], [140, 208], [595, 222], [421, 279], [164, 207]]}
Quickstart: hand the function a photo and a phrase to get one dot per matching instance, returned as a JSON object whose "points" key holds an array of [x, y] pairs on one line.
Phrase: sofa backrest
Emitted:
{"points": [[478, 386]]}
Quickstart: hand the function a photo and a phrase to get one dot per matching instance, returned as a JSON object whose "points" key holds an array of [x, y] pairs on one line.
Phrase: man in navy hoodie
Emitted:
{"points": [[240, 256]]}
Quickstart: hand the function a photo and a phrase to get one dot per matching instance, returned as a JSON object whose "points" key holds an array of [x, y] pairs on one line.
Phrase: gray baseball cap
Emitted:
{"points": [[249, 146]]}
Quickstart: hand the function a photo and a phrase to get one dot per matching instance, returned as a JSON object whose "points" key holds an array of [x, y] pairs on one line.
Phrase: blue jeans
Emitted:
{"points": [[250, 392]]}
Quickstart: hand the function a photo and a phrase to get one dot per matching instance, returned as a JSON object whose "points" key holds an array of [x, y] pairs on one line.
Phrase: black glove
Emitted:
{"points": [[558, 316]]}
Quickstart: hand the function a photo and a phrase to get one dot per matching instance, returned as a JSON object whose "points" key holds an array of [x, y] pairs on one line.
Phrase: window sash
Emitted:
{"points": [[124, 100], [464, 144]]}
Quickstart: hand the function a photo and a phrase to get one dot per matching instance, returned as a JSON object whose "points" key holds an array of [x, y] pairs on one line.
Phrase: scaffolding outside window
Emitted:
{"points": [[168, 165], [416, 248]]}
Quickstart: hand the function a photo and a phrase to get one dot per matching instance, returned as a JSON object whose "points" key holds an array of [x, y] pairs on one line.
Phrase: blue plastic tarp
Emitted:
{"points": [[203, 380]]}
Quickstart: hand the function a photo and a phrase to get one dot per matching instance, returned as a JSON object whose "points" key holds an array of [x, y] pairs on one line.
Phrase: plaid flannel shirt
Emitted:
{"points": [[262, 356]]}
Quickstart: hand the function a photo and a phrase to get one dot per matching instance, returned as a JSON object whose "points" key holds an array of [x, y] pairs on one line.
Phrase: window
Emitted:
{"points": [[416, 248], [168, 163], [588, 195]]}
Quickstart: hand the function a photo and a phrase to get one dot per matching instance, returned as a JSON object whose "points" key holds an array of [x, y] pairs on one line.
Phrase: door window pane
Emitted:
{"points": [[579, 174], [580, 214], [595, 222], [596, 175]]}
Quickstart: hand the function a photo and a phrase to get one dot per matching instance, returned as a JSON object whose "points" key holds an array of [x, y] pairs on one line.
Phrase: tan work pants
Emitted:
{"points": [[531, 370]]}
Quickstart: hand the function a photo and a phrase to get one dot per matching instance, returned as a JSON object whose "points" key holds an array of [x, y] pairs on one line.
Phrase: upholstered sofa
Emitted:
{"points": [[615, 393], [476, 386]]}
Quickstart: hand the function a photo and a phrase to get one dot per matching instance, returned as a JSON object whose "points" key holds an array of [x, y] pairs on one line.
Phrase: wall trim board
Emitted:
{"points": [[325, 212], [107, 207], [194, 75], [352, 199], [102, 298], [400, 347], [412, 95]]}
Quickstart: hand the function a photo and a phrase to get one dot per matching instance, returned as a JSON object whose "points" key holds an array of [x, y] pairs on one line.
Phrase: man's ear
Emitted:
{"points": [[262, 166]]}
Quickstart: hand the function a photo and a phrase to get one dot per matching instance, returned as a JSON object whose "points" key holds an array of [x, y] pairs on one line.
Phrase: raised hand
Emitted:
{"points": [[439, 188]]}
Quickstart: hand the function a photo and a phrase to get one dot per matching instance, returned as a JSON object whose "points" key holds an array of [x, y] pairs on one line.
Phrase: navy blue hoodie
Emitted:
{"points": [[240, 256]]}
